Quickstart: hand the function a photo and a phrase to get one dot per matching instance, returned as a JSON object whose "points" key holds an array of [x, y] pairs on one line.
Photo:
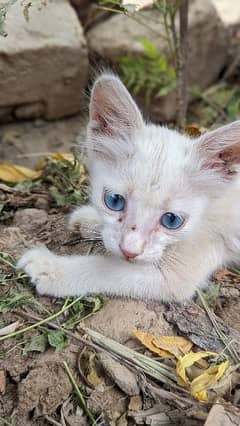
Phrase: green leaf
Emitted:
{"points": [[59, 198], [96, 302], [149, 74], [37, 343], [78, 307], [57, 339], [14, 299], [150, 49]]}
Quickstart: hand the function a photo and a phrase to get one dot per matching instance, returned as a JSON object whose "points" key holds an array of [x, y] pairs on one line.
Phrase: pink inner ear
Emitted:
{"points": [[231, 155], [225, 159]]}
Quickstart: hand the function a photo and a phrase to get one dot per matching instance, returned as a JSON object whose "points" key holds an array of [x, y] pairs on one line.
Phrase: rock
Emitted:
{"points": [[30, 219], [118, 36], [42, 203], [121, 375], [31, 110], [229, 15], [43, 61]]}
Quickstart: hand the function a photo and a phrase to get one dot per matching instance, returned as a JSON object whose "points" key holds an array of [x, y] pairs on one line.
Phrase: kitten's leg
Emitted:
{"points": [[178, 277], [86, 220], [62, 276]]}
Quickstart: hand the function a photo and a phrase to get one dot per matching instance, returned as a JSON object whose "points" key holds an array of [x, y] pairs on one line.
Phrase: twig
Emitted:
{"points": [[181, 47], [228, 344], [134, 18], [5, 422], [51, 420], [79, 394]]}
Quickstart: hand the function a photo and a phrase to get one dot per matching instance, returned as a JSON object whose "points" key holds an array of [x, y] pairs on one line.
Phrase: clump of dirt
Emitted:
{"points": [[44, 389]]}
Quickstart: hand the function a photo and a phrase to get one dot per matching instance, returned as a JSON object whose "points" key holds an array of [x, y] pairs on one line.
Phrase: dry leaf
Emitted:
{"points": [[92, 376], [9, 328], [13, 173], [194, 130], [164, 346], [225, 385], [199, 385], [225, 274], [2, 381], [176, 345]]}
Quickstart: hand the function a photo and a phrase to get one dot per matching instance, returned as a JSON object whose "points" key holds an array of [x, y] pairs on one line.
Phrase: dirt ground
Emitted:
{"points": [[35, 388]]}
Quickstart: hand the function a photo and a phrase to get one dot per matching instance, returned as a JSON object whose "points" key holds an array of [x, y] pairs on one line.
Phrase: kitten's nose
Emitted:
{"points": [[128, 254]]}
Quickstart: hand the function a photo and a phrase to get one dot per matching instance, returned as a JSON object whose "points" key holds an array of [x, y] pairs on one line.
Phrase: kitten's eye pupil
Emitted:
{"points": [[171, 221], [114, 201]]}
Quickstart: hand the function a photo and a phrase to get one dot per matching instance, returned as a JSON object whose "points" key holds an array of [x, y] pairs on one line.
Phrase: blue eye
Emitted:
{"points": [[171, 221], [114, 201]]}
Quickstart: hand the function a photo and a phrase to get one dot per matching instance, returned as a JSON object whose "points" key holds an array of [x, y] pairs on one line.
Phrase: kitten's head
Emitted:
{"points": [[151, 185]]}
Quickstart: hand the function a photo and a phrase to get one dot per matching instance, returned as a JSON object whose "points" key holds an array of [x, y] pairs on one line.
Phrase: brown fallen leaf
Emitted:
{"points": [[164, 346], [225, 274], [2, 382]]}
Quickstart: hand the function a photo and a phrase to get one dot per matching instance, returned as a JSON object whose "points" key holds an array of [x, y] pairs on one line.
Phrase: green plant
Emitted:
{"points": [[152, 74], [149, 74]]}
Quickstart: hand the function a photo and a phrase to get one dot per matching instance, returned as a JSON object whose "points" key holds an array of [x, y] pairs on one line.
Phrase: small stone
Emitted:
{"points": [[30, 219], [42, 204]]}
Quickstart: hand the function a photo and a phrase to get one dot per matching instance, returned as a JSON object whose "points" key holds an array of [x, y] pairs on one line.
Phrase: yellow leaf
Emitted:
{"points": [[14, 173], [187, 361], [176, 345], [164, 346], [201, 383], [194, 130], [198, 386]]}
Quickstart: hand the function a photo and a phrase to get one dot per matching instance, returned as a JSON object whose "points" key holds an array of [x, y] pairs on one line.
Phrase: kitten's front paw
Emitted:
{"points": [[43, 268]]}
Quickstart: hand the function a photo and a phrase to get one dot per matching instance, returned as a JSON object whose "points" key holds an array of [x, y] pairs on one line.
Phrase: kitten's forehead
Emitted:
{"points": [[160, 160]]}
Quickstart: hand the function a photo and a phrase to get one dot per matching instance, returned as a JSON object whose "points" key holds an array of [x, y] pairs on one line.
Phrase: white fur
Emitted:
{"points": [[85, 220], [157, 170]]}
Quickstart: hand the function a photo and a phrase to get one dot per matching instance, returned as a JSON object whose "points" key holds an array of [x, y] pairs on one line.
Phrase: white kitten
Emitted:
{"points": [[167, 207]]}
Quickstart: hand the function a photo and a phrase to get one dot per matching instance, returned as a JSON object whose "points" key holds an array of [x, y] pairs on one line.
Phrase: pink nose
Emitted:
{"points": [[128, 254]]}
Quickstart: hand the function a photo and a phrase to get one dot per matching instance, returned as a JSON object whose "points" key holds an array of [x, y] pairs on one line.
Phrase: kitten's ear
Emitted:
{"points": [[113, 112], [220, 148]]}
